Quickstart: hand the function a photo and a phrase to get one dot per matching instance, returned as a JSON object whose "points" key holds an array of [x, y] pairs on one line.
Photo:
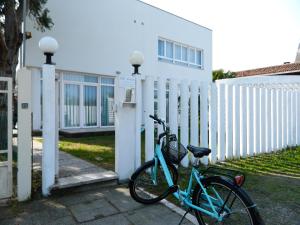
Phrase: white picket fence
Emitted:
{"points": [[235, 117]]}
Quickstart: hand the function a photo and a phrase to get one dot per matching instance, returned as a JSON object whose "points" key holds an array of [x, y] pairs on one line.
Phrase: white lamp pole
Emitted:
{"points": [[49, 46]]}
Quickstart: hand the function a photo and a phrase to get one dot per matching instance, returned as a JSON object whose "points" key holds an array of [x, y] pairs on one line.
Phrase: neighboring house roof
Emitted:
{"points": [[289, 68]]}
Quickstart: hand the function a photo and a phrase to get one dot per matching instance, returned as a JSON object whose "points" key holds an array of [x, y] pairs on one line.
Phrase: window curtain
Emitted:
{"points": [[90, 105], [3, 121], [107, 100], [71, 105]]}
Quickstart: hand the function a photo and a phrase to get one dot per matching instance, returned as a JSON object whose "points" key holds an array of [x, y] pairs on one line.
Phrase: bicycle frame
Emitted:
{"points": [[185, 195]]}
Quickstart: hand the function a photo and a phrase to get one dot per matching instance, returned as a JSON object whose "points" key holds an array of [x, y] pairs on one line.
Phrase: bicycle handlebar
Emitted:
{"points": [[161, 122]]}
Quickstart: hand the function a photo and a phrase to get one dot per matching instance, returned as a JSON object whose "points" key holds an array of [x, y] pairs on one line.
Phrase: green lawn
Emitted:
{"points": [[99, 150]]}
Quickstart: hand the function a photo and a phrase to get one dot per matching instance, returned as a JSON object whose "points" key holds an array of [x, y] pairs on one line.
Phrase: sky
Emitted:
{"points": [[247, 34]]}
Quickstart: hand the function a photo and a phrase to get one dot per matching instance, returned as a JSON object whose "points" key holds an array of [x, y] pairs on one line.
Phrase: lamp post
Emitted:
{"points": [[136, 60], [49, 46]]}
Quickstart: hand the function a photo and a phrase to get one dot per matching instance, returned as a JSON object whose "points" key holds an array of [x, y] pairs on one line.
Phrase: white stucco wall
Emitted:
{"points": [[99, 37]]}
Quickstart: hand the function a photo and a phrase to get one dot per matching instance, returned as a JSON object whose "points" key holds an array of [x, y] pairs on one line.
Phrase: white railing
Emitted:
{"points": [[235, 117]]}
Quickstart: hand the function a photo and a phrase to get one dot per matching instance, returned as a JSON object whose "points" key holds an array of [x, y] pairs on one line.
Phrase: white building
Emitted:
{"points": [[96, 40]]}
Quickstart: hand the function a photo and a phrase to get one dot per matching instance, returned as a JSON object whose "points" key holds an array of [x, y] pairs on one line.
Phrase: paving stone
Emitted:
{"points": [[121, 199], [112, 220], [155, 214], [68, 220], [16, 221], [92, 210]]}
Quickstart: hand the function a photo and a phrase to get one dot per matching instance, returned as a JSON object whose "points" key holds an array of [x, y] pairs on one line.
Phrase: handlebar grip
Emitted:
{"points": [[155, 118], [152, 117]]}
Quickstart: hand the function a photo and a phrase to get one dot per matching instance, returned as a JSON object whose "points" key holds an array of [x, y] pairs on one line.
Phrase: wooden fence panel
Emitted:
{"points": [[204, 118], [243, 121], [184, 118], [173, 107], [213, 121], [228, 121], [250, 133], [268, 121], [194, 119], [149, 123], [256, 120], [221, 122], [236, 121]]}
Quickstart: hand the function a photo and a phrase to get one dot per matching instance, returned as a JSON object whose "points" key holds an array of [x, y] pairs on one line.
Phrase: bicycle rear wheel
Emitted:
{"points": [[230, 201], [148, 184]]}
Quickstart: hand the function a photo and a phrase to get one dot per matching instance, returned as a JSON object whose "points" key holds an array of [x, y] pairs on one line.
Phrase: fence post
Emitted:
{"points": [[173, 107], [256, 119], [298, 115], [149, 123], [243, 121], [161, 98], [228, 121], [184, 118], [194, 115], [279, 118], [221, 122], [284, 118], [212, 122], [263, 121], [24, 135], [274, 120], [236, 121], [138, 120], [250, 137], [204, 118], [288, 114], [294, 111]]}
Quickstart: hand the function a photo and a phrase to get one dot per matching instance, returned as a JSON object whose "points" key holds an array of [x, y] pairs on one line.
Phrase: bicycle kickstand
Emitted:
{"points": [[187, 211]]}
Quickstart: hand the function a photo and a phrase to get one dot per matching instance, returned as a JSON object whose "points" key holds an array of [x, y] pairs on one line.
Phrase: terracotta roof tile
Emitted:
{"points": [[285, 68]]}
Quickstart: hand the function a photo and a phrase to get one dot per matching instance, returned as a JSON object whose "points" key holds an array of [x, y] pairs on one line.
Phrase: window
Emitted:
{"points": [[161, 48], [169, 50], [107, 101], [90, 105], [178, 52], [87, 100], [174, 52], [192, 56], [72, 105], [198, 58], [184, 54]]}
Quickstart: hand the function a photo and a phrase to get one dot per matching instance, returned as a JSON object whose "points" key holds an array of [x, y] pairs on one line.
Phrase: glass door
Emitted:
{"points": [[90, 105], [72, 105]]}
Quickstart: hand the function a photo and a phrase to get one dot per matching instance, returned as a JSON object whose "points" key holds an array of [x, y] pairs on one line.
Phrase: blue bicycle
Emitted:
{"points": [[215, 196]]}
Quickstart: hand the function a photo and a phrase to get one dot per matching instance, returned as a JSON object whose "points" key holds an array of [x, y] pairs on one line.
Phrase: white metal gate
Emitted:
{"points": [[5, 137]]}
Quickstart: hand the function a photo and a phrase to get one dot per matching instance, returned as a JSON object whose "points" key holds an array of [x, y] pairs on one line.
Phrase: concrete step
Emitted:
{"points": [[97, 179]]}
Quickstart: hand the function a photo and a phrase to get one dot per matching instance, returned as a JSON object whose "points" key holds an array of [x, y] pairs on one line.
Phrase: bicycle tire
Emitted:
{"points": [[158, 192], [254, 217]]}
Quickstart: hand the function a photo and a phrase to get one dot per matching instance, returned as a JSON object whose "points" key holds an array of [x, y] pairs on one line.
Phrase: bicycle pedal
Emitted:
{"points": [[173, 189]]}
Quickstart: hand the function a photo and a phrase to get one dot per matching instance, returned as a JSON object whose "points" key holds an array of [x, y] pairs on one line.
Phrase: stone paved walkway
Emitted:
{"points": [[106, 206], [73, 171], [68, 164]]}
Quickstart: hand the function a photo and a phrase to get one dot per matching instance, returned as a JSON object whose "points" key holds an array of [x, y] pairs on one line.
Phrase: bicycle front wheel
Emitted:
{"points": [[230, 201], [148, 184]]}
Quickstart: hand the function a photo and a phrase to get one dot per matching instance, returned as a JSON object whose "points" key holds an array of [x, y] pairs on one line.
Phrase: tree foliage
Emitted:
{"points": [[11, 36], [220, 74]]}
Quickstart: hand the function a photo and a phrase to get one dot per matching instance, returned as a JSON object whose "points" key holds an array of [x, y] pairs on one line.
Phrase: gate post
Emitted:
{"points": [[24, 135], [128, 109], [48, 45]]}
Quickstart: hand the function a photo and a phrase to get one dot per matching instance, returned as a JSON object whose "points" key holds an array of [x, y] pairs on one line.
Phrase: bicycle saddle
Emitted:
{"points": [[198, 152]]}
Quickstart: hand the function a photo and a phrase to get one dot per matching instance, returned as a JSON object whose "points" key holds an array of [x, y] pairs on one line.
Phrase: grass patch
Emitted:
{"points": [[99, 150]]}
